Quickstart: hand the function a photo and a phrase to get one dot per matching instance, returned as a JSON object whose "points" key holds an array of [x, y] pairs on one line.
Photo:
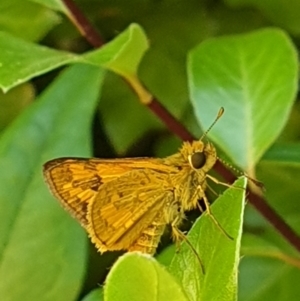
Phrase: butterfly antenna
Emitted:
{"points": [[220, 113], [242, 173]]}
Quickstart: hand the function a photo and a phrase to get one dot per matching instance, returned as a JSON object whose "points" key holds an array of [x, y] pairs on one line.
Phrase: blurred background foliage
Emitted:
{"points": [[123, 127]]}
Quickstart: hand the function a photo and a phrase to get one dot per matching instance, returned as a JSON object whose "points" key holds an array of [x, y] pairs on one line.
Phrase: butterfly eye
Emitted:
{"points": [[198, 160]]}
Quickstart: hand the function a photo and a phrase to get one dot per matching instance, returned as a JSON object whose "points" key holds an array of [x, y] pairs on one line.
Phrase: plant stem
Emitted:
{"points": [[83, 24]]}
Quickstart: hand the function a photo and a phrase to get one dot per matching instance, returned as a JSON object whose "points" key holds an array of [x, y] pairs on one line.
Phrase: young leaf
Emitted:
{"points": [[136, 277], [21, 61]]}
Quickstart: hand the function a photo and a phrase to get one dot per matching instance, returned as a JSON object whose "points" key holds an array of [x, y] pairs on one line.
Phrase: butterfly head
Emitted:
{"points": [[199, 155], [203, 155]]}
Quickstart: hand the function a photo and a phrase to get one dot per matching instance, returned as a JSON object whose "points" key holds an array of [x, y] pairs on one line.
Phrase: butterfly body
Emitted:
{"points": [[125, 204]]}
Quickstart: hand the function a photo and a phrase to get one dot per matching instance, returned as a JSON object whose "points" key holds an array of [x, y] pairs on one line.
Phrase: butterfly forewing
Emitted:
{"points": [[76, 181]]}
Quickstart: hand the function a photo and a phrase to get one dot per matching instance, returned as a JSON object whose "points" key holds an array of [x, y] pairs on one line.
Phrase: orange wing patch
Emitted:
{"points": [[75, 183], [124, 208]]}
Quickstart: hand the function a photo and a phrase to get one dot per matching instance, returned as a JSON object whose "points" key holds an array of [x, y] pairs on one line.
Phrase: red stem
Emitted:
{"points": [[83, 24], [172, 123]]}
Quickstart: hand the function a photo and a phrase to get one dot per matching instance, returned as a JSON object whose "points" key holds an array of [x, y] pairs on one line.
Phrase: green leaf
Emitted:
{"points": [[139, 277], [21, 61], [26, 20], [95, 295], [288, 153], [53, 4], [267, 279], [124, 118], [42, 249], [166, 256], [219, 254], [281, 13], [13, 102], [279, 171], [124, 54], [267, 271], [254, 77]]}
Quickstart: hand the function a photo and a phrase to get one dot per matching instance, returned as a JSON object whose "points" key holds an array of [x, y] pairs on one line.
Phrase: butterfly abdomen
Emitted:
{"points": [[149, 239]]}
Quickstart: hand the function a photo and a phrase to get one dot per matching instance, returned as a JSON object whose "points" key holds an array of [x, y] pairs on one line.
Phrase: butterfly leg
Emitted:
{"points": [[210, 214], [178, 236], [222, 183]]}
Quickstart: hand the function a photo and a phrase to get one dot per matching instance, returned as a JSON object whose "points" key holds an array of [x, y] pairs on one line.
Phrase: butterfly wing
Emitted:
{"points": [[76, 181], [126, 207]]}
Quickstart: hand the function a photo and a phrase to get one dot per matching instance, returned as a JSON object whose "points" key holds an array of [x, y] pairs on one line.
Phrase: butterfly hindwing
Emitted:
{"points": [[125, 207]]}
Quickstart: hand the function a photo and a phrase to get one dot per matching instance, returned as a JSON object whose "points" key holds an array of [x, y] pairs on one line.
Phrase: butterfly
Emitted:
{"points": [[125, 204]]}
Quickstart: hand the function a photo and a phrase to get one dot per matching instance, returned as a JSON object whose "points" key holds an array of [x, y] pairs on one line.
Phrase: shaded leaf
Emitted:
{"points": [[13, 102], [283, 14], [42, 249], [95, 295], [266, 271], [26, 20], [53, 4]]}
